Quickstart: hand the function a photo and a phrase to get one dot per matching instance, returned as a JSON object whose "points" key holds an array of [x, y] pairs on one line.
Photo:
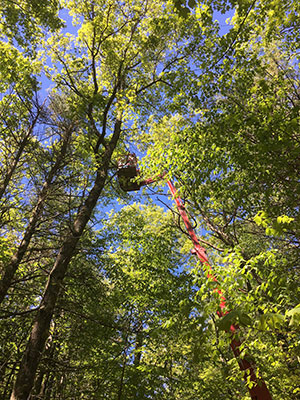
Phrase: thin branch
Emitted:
{"points": [[17, 313], [230, 47]]}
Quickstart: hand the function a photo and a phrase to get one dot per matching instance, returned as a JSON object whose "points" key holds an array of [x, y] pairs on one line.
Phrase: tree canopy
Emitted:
{"points": [[100, 294]]}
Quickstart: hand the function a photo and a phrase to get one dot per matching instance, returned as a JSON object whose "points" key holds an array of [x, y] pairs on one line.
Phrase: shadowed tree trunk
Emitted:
{"points": [[42, 379], [16, 259], [137, 359], [9, 173], [39, 333]]}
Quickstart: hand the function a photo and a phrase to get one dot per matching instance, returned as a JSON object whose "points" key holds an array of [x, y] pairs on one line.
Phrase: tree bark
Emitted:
{"points": [[41, 381], [39, 333], [16, 259]]}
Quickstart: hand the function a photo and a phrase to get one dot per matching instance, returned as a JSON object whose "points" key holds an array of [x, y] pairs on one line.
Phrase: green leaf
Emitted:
{"points": [[225, 322], [294, 313], [271, 320], [244, 319]]}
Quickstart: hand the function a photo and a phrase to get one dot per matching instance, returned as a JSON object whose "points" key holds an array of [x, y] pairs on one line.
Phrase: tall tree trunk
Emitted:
{"points": [[16, 259], [137, 361], [40, 383], [39, 333], [18, 155]]}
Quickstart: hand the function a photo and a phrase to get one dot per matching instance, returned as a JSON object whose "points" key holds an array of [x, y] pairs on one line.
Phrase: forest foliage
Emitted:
{"points": [[100, 294]]}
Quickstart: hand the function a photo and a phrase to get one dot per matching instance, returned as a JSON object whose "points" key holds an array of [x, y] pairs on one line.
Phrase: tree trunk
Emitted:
{"points": [[16, 259], [18, 155], [40, 383], [137, 361], [39, 333]]}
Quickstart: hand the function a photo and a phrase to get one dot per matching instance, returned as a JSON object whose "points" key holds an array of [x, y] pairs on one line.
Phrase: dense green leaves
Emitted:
{"points": [[23, 21], [129, 312]]}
